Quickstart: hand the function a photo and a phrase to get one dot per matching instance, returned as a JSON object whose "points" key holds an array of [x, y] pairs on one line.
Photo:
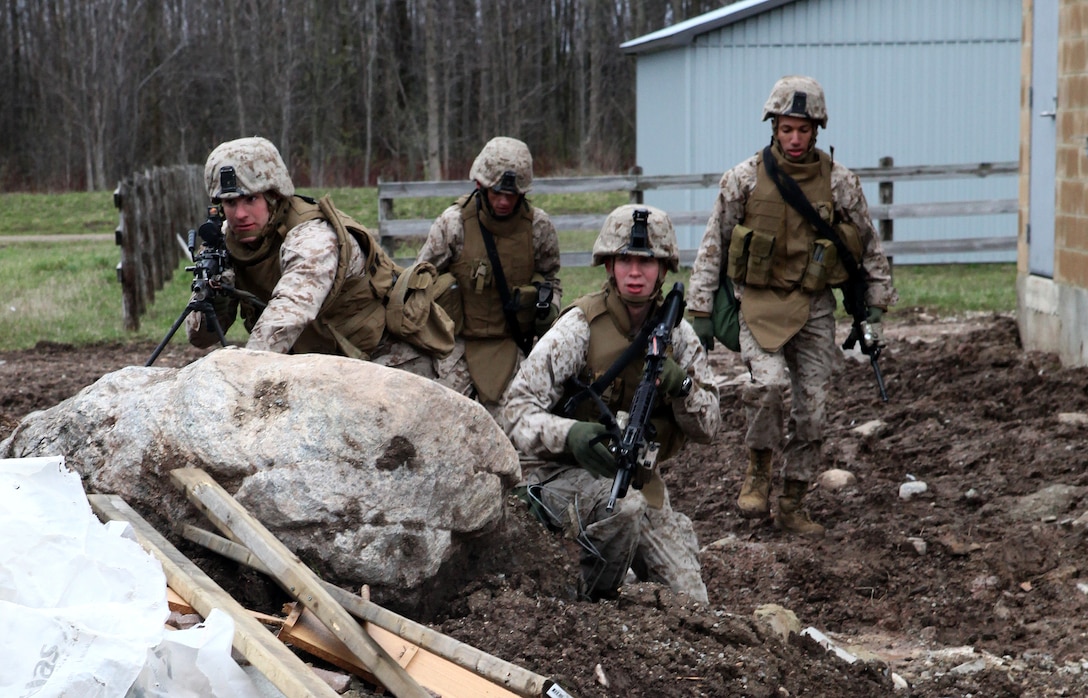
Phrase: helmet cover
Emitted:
{"points": [[637, 229], [504, 165], [797, 95], [244, 167]]}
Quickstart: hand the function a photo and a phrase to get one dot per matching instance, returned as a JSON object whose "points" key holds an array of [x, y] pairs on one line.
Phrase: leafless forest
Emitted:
{"points": [[351, 90]]}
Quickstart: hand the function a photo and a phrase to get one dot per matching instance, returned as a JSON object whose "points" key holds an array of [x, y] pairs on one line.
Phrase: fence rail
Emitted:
{"points": [[391, 228], [158, 205]]}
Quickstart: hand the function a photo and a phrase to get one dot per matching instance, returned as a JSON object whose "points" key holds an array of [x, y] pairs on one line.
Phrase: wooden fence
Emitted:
{"points": [[156, 206], [635, 184], [159, 205]]}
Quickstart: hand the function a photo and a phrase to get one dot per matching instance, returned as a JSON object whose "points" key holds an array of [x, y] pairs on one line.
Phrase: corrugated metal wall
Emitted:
{"points": [[926, 82]]}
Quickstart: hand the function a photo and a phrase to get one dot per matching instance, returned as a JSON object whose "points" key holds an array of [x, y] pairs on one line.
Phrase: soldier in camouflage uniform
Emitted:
{"points": [[492, 341], [569, 472], [783, 273], [322, 276]]}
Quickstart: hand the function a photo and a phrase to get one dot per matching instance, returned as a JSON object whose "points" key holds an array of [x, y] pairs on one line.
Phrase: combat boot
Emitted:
{"points": [[754, 499], [791, 517]]}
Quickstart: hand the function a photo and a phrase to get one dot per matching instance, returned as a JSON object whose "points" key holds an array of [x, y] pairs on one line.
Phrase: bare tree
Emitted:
{"points": [[348, 89]]}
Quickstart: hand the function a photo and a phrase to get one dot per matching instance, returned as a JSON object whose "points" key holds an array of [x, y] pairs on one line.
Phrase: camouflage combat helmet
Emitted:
{"points": [[256, 166], [636, 229], [504, 165], [797, 95]]}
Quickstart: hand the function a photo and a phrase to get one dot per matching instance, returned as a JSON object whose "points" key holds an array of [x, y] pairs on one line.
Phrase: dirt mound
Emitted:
{"points": [[975, 586]]}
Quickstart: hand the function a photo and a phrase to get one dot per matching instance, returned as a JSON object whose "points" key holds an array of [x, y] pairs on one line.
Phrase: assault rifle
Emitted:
{"points": [[853, 300], [632, 442], [208, 266]]}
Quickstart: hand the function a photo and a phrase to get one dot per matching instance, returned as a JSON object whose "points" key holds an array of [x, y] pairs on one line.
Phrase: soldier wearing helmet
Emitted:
{"points": [[600, 342], [311, 279], [504, 253], [783, 264]]}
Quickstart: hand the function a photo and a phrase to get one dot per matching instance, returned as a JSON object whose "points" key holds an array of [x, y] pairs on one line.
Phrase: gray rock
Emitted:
{"points": [[369, 474]]}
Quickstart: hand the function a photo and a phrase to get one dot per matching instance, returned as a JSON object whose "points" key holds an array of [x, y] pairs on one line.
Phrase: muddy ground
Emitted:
{"points": [[976, 587]]}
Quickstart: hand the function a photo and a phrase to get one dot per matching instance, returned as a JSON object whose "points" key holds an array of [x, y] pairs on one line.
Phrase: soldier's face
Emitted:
{"points": [[502, 202], [636, 276], [247, 216], [794, 135]]}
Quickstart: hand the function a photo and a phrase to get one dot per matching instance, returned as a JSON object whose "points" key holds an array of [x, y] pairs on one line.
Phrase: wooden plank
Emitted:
{"points": [[296, 578], [990, 244], [305, 631], [260, 648], [518, 679], [941, 209], [177, 604], [410, 227], [441, 676]]}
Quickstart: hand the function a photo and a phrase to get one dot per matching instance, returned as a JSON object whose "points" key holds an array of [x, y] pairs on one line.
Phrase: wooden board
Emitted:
{"points": [[294, 577], [260, 648], [303, 630], [502, 673]]}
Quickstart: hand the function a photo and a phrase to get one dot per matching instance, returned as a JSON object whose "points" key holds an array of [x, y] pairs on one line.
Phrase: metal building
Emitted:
{"points": [[926, 82]]}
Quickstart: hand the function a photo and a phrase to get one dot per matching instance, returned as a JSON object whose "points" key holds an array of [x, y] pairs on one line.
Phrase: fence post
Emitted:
{"points": [[886, 197], [385, 213], [636, 194]]}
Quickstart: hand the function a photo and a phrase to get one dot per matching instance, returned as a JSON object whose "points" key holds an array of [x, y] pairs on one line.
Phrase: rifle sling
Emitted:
{"points": [[634, 350], [508, 310]]}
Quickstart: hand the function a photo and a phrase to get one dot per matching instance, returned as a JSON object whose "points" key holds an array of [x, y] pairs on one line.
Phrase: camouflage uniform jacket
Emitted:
{"points": [[446, 241], [308, 261], [729, 209], [561, 354]]}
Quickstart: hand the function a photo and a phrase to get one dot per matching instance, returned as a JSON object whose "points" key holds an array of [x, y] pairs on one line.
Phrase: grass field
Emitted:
{"points": [[67, 292]]}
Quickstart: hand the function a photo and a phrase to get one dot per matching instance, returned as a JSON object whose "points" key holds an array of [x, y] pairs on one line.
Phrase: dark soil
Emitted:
{"points": [[962, 590]]}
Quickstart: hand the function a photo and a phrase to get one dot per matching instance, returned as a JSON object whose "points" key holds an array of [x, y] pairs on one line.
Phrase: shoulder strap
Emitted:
{"points": [[791, 192], [635, 350], [509, 308]]}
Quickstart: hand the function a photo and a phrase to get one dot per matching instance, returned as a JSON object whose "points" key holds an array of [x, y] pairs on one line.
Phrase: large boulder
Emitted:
{"points": [[370, 474]]}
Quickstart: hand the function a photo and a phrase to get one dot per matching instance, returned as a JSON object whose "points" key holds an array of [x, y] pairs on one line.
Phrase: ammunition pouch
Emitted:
{"points": [[823, 259], [751, 256]]}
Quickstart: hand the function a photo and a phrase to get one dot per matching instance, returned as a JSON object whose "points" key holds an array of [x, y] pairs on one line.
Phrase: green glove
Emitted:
{"points": [[704, 330], [672, 378], [542, 323], [874, 330], [593, 456]]}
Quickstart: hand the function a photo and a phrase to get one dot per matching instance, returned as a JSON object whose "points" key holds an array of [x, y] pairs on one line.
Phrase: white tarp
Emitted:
{"points": [[82, 608]]}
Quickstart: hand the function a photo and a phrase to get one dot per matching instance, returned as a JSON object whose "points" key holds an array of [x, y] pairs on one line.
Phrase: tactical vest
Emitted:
{"points": [[767, 212], [483, 308], [609, 335], [351, 320]]}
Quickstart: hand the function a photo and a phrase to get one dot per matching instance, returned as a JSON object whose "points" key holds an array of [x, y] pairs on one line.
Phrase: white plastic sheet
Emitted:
{"points": [[195, 663], [82, 606]]}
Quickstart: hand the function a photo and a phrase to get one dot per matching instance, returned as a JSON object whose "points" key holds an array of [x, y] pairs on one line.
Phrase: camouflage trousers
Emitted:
{"points": [[803, 367], [658, 545]]}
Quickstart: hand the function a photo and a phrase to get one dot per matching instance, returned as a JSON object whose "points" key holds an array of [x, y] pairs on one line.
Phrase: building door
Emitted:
{"points": [[1044, 107]]}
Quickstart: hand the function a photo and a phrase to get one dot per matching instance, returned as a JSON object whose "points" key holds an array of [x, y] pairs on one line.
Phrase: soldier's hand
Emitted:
{"points": [[874, 330], [591, 454], [542, 324], [704, 330], [672, 378]]}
